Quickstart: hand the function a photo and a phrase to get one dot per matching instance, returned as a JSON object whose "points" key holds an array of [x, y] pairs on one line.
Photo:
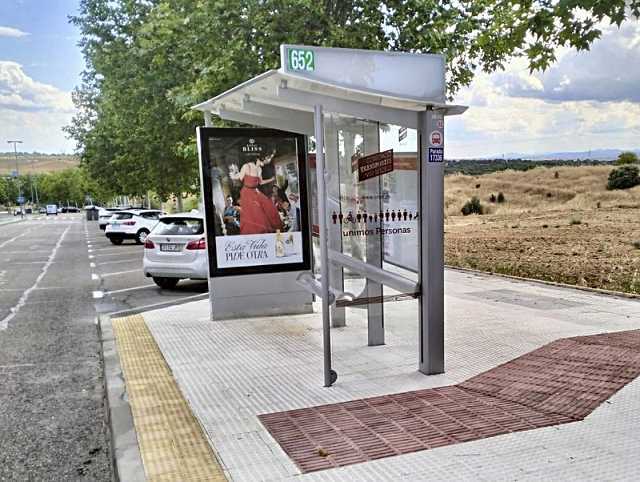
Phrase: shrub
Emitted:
{"points": [[556, 174], [636, 244], [575, 221], [492, 198], [472, 206], [623, 178], [477, 186], [501, 198]]}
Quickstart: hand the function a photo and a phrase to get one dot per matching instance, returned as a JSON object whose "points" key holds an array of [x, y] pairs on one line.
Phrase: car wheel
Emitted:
{"points": [[165, 283], [141, 237], [116, 241]]}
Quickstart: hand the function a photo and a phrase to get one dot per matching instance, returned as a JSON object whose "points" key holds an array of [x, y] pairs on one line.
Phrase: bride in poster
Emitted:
{"points": [[258, 214]]}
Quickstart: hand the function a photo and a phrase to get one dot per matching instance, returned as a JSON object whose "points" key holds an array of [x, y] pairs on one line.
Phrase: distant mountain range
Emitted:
{"points": [[596, 154]]}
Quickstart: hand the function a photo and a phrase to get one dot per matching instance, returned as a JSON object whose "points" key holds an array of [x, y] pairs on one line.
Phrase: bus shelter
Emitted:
{"points": [[374, 171]]}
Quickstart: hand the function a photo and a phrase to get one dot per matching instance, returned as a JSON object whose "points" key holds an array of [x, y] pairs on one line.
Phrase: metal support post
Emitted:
{"points": [[332, 163], [431, 253], [372, 202], [329, 375]]}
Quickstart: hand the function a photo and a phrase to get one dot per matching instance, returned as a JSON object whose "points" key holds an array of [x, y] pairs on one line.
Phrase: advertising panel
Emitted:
{"points": [[255, 200]]}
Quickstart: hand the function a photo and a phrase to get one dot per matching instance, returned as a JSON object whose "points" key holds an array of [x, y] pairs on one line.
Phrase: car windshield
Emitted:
{"points": [[179, 226], [123, 215]]}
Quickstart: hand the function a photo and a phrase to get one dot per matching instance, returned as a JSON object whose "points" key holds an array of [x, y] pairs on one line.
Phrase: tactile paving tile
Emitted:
{"points": [[172, 444], [558, 383], [570, 376]]}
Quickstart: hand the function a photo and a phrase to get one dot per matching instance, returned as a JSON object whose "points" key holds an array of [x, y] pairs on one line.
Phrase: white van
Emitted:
{"points": [[52, 209]]}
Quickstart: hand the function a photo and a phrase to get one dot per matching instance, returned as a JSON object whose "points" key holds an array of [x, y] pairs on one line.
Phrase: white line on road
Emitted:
{"points": [[2, 245], [101, 255], [92, 265], [119, 261], [24, 262], [97, 295], [95, 277], [104, 275], [91, 256], [23, 299], [130, 289]]}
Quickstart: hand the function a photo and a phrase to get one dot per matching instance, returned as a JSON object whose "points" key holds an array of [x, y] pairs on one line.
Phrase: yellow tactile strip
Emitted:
{"points": [[172, 444]]}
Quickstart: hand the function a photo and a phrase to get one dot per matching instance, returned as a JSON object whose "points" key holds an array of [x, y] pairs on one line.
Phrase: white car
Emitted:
{"points": [[132, 224], [176, 249], [104, 214], [52, 209]]}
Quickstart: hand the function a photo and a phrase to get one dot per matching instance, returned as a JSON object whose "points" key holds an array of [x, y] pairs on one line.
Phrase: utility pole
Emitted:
{"points": [[15, 151]]}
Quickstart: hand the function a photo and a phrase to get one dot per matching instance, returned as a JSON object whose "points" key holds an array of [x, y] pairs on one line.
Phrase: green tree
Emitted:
{"points": [[627, 157], [4, 191], [148, 62]]}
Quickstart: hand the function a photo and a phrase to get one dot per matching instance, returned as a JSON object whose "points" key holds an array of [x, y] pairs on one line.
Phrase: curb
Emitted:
{"points": [[125, 452], [617, 294]]}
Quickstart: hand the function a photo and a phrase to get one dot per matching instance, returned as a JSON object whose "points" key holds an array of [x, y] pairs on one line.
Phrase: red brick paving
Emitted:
{"points": [[561, 382]]}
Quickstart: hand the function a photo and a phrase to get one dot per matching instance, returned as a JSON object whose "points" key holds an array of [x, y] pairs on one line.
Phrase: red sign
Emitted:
{"points": [[375, 165], [436, 139]]}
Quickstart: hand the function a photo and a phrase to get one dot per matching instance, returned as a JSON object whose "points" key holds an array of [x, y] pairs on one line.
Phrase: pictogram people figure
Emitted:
{"points": [[340, 217], [334, 216], [386, 215], [393, 215], [359, 217], [404, 215]]}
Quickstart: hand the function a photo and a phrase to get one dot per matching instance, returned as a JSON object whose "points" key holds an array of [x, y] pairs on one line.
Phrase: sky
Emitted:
{"points": [[585, 101]]}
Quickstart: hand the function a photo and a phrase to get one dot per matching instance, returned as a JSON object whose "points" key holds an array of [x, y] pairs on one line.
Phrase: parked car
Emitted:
{"points": [[104, 214], [42, 210], [131, 224], [52, 209], [176, 249]]}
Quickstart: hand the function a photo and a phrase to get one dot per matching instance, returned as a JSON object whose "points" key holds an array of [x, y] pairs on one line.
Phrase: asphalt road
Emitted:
{"points": [[56, 275], [120, 287]]}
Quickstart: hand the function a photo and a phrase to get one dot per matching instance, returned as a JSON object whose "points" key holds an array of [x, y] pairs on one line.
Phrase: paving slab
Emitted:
{"points": [[231, 372]]}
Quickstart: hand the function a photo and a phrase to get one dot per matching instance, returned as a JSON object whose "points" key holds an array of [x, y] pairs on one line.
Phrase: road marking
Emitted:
{"points": [[162, 304], [13, 239], [33, 251], [4, 323], [95, 277], [25, 262], [101, 255], [97, 295], [92, 265], [104, 275], [130, 289], [120, 261], [91, 256]]}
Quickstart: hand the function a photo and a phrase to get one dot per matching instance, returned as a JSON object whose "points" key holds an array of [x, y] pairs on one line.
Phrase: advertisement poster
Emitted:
{"points": [[254, 191]]}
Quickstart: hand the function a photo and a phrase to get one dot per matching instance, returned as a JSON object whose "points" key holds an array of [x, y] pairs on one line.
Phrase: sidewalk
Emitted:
{"points": [[230, 372]]}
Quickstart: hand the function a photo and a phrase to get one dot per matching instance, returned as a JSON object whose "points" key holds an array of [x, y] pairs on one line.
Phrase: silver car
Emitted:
{"points": [[176, 249]]}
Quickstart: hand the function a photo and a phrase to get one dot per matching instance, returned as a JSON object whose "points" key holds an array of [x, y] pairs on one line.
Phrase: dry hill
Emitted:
{"points": [[36, 163], [565, 227]]}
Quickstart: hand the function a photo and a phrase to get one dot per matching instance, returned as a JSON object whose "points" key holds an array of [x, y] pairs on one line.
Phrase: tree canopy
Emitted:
{"points": [[627, 157], [148, 61]]}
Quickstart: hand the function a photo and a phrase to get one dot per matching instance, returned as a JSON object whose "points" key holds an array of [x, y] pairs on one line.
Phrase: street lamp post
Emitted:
{"points": [[15, 151]]}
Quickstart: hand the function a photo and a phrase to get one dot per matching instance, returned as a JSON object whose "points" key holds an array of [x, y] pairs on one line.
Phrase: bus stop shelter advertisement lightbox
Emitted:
{"points": [[255, 200]]}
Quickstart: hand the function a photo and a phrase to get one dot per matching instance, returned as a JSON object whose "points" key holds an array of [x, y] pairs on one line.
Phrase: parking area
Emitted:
{"points": [[120, 285]]}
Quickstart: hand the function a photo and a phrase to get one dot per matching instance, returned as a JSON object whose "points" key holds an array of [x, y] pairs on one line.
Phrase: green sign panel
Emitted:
{"points": [[302, 60]]}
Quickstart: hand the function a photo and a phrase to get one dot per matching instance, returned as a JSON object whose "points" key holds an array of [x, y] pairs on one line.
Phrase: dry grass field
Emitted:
{"points": [[566, 229], [35, 164]]}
